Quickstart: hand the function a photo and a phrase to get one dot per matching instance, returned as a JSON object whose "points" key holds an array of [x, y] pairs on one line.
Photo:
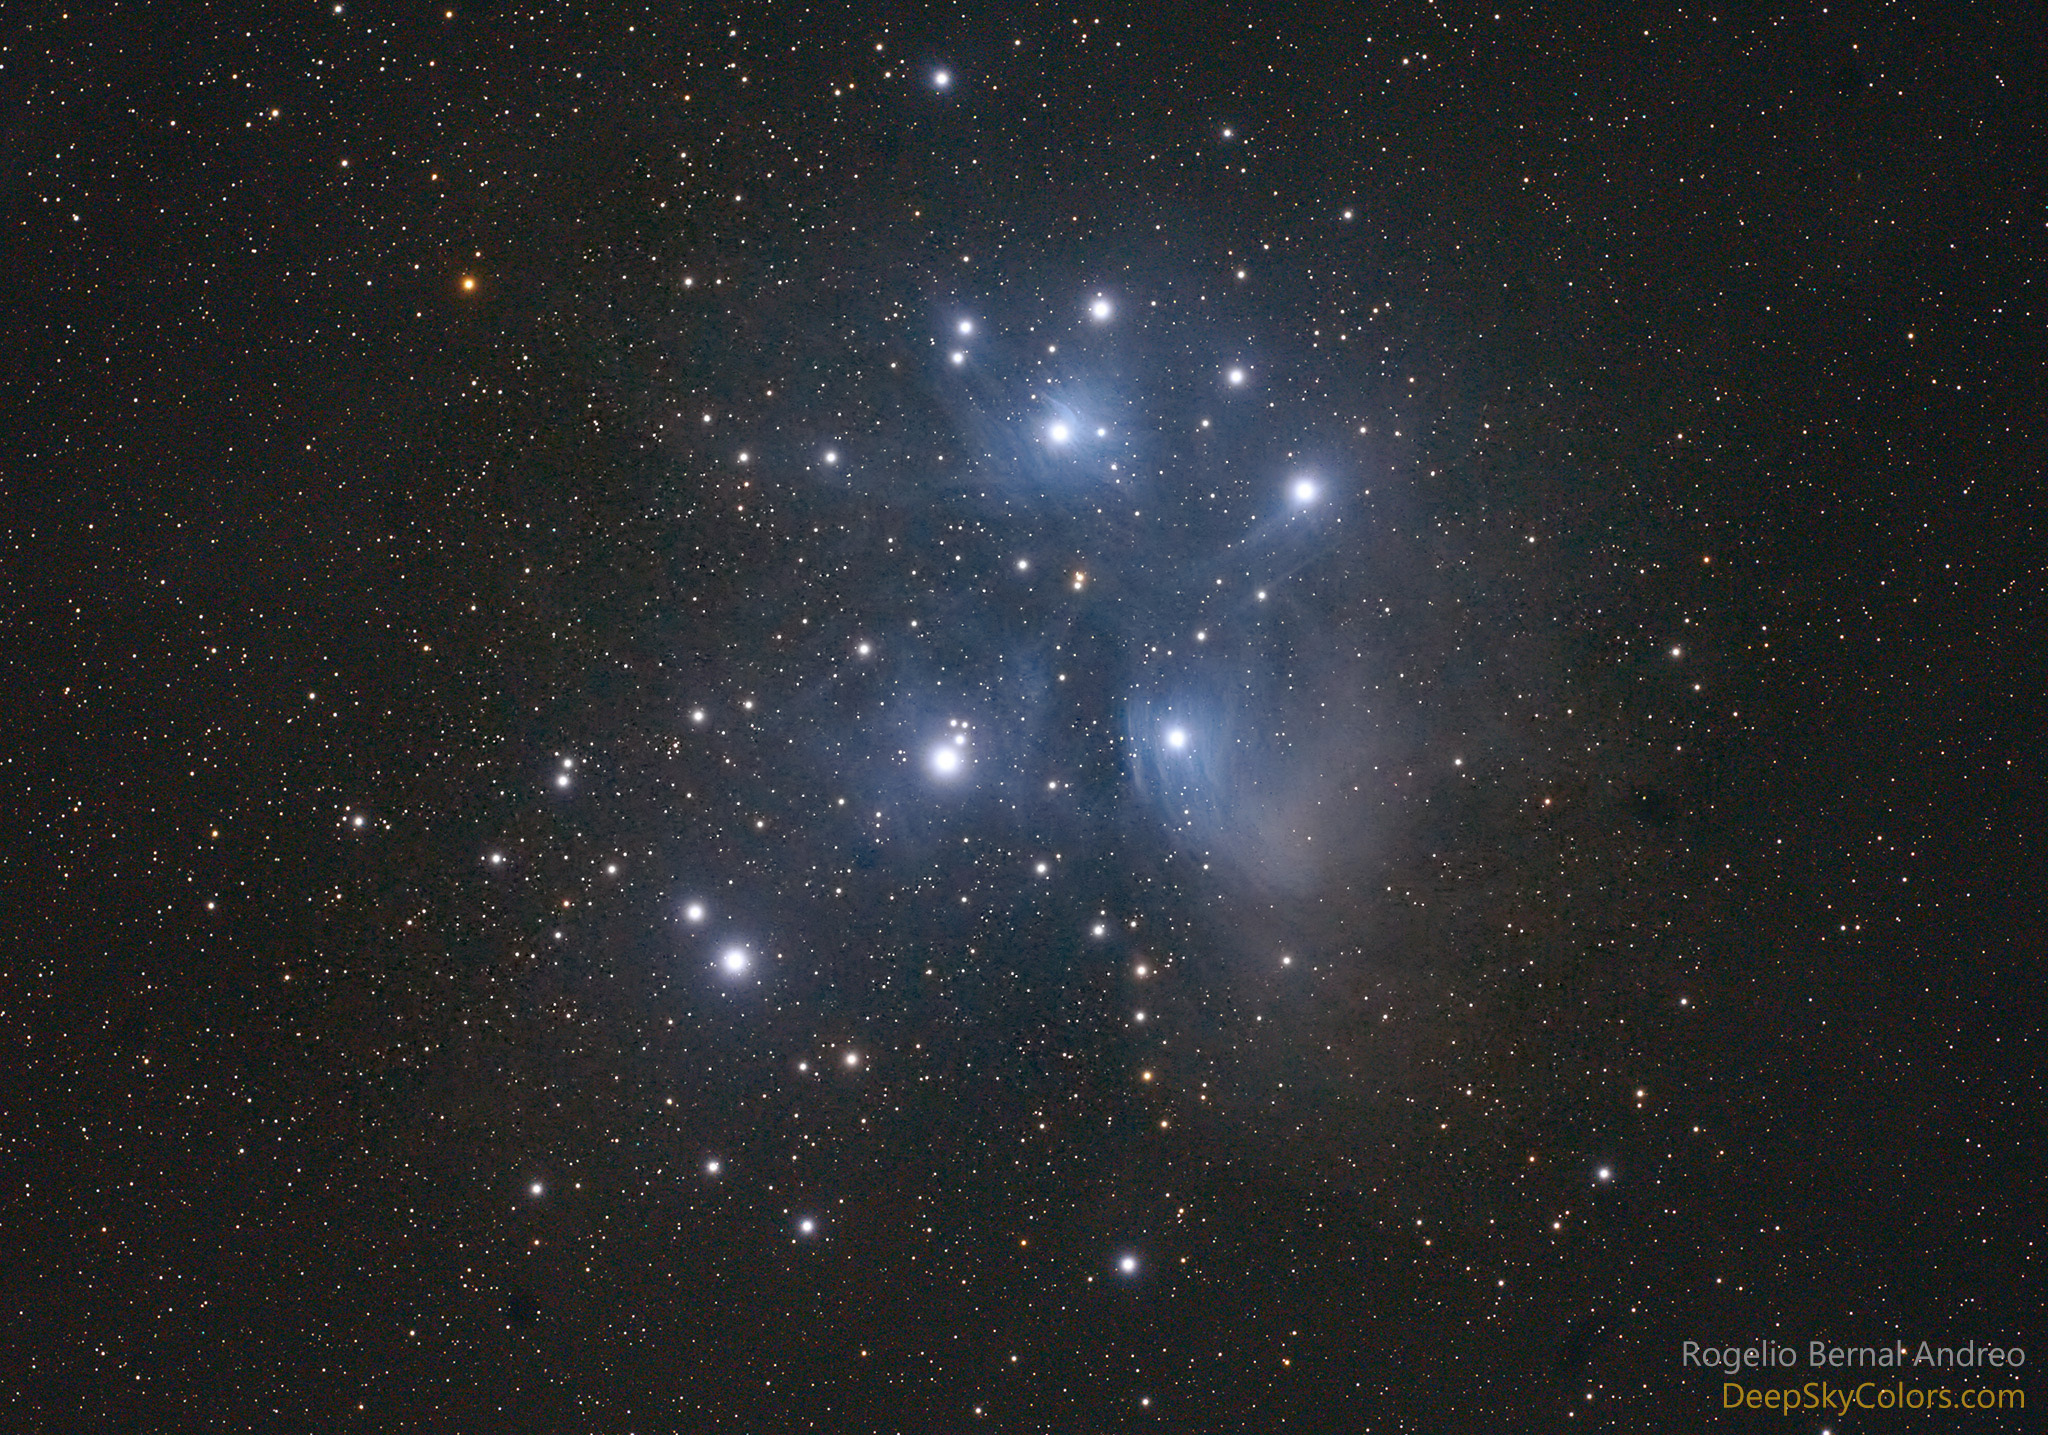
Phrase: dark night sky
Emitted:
{"points": [[940, 718]]}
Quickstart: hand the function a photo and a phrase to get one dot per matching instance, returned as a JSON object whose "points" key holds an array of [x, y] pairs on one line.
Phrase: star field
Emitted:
{"points": [[927, 719]]}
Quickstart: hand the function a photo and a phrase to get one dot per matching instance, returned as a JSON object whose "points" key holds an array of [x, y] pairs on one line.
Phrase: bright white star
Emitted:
{"points": [[1306, 491], [1236, 377], [734, 961], [1176, 738], [1059, 433], [946, 761], [694, 912], [1127, 1264], [1100, 309], [942, 79]]}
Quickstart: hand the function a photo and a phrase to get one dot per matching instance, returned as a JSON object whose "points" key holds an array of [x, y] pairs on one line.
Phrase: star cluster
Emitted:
{"points": [[844, 721]]}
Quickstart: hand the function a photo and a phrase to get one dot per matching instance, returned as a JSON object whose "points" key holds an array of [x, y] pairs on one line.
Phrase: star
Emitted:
{"points": [[1127, 1264], [735, 961], [1235, 376], [946, 761], [1101, 309], [942, 79], [1059, 433], [693, 912], [1306, 491], [1177, 738]]}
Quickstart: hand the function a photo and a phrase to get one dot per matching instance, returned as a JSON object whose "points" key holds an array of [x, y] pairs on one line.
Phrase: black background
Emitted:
{"points": [[355, 467]]}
